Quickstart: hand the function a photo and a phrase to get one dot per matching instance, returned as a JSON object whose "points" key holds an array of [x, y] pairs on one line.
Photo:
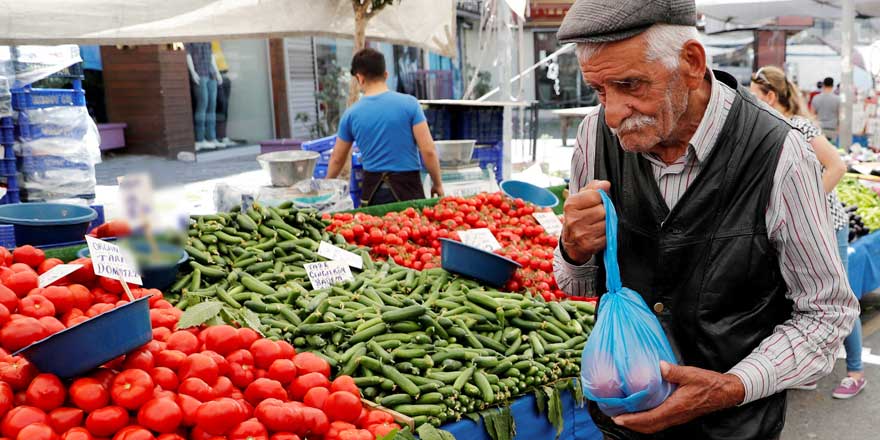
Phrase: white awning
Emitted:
{"points": [[761, 11], [429, 24]]}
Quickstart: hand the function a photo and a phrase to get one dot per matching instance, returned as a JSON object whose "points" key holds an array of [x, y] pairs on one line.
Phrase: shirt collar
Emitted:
{"points": [[713, 118]]}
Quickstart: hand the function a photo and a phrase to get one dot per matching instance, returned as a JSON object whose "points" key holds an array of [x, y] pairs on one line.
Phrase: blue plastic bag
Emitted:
{"points": [[620, 365]]}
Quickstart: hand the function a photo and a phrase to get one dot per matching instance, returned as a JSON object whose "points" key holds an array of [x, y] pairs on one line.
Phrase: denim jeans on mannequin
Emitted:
{"points": [[205, 116], [853, 342]]}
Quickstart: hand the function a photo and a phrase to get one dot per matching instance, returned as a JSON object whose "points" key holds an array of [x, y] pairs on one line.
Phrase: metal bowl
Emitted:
{"points": [[288, 167], [455, 152]]}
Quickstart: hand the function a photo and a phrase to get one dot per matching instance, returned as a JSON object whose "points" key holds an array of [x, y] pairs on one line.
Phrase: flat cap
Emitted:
{"points": [[605, 21]]}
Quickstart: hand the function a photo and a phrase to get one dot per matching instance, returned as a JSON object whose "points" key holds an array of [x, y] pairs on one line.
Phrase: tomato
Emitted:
{"points": [[89, 394], [247, 337], [345, 383], [283, 371], [64, 419], [6, 257], [197, 388], [342, 406], [160, 415], [249, 430], [222, 363], [37, 431], [36, 306], [188, 406], [165, 378], [183, 341], [223, 387], [262, 389], [29, 255], [278, 416], [316, 397], [241, 375], [171, 359], [46, 392], [170, 437], [164, 318], [284, 436], [22, 282], [311, 363], [20, 333], [134, 433], [141, 359], [8, 298], [265, 352], [304, 383], [106, 421], [315, 420], [132, 388], [219, 416], [61, 297], [201, 366], [19, 417], [6, 398], [77, 434], [222, 339]]}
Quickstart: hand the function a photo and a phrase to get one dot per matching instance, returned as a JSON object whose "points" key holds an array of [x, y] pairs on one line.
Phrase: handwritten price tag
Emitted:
{"points": [[56, 273], [480, 238], [328, 273], [550, 222], [111, 261], [335, 253]]}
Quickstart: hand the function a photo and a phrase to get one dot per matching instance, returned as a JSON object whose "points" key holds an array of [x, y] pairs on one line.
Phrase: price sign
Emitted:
{"points": [[136, 191], [56, 273], [111, 261], [328, 273], [480, 238], [335, 253], [550, 222]]}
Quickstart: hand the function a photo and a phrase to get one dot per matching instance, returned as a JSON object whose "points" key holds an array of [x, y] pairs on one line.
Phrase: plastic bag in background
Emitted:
{"points": [[227, 197], [7, 77], [324, 195], [620, 365], [33, 63]]}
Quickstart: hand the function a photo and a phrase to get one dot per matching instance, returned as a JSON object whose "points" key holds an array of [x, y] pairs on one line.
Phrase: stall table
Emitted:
{"points": [[864, 264]]}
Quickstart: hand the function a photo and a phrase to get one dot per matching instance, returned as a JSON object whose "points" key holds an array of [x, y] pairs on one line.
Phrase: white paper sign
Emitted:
{"points": [[550, 222], [136, 192], [335, 253], [56, 273], [480, 238], [111, 261], [328, 273]]}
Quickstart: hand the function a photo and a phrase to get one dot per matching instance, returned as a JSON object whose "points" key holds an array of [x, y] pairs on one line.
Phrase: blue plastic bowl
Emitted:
{"points": [[472, 262], [154, 276], [530, 193], [46, 223], [90, 344]]}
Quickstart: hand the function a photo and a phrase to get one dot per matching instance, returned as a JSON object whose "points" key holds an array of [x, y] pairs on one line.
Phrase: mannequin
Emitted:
{"points": [[223, 93], [205, 76]]}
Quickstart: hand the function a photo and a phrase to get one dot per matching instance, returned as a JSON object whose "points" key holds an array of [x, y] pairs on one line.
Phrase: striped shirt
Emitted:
{"points": [[803, 348]]}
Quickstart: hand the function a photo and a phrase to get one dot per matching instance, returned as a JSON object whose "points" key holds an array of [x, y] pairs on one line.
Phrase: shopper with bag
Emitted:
{"points": [[721, 226]]}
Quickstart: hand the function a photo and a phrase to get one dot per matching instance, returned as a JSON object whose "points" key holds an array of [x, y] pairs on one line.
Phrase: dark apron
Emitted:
{"points": [[403, 186]]}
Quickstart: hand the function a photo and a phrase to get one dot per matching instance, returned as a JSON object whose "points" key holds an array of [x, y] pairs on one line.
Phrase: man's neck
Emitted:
{"points": [[375, 88], [671, 150], [828, 90]]}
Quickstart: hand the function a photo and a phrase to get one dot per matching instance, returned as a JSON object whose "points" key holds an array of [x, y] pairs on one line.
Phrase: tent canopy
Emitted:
{"points": [[429, 24], [759, 11]]}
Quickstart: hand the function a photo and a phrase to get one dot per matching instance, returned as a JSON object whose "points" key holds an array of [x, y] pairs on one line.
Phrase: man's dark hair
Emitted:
{"points": [[828, 82], [368, 62]]}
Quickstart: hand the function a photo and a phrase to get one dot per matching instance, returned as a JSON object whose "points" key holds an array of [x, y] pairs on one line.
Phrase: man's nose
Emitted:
{"points": [[616, 111]]}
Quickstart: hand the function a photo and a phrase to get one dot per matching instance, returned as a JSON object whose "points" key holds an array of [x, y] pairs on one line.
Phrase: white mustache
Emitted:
{"points": [[633, 123]]}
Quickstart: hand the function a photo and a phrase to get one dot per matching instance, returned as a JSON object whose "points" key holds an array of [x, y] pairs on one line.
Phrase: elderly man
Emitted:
{"points": [[723, 227]]}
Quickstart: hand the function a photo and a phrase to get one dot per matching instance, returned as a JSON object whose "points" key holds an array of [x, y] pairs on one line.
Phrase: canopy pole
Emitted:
{"points": [[847, 95]]}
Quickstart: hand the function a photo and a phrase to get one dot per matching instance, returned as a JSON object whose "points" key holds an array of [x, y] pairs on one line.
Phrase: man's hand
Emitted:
{"points": [[196, 78], [699, 392], [583, 234], [437, 190]]}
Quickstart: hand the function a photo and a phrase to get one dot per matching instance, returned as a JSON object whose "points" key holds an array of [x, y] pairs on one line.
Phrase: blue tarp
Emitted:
{"points": [[864, 264], [532, 425]]}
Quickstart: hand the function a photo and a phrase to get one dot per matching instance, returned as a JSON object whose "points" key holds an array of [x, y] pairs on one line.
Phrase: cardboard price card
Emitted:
{"points": [[56, 273], [328, 273], [335, 253], [550, 222], [480, 238], [111, 261]]}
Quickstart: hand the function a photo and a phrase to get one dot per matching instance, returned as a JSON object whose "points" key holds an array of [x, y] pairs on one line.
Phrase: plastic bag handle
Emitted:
{"points": [[612, 271]]}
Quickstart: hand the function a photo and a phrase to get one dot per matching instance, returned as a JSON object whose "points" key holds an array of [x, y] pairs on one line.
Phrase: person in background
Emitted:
{"points": [[771, 86], [390, 130], [205, 77], [827, 107], [813, 94]]}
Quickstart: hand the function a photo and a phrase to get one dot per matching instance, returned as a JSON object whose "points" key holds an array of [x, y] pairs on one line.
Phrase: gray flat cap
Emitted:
{"points": [[604, 21]]}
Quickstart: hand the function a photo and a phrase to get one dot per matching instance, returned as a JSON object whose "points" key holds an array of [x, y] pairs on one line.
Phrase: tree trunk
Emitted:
{"points": [[360, 41]]}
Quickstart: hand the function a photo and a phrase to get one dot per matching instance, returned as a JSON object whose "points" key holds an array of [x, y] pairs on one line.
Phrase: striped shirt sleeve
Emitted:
{"points": [[573, 279], [803, 348]]}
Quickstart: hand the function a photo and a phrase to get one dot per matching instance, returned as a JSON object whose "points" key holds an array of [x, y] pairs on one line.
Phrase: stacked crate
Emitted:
{"points": [[324, 147]]}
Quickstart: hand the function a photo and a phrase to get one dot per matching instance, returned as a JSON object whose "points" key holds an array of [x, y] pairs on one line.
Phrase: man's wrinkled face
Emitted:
{"points": [[643, 99]]}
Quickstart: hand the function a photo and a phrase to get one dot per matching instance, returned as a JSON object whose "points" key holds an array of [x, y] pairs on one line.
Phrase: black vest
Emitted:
{"points": [[709, 261]]}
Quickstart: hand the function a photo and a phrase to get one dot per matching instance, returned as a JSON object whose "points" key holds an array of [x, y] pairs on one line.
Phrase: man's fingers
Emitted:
{"points": [[673, 373], [599, 184]]}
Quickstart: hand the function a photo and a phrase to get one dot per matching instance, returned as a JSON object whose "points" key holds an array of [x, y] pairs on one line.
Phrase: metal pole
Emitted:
{"points": [[847, 96], [505, 70]]}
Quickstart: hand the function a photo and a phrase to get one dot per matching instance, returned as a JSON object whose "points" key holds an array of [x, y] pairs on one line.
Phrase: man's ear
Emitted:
{"points": [[692, 64]]}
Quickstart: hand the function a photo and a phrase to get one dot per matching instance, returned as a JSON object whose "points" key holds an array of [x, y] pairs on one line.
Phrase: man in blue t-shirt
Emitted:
{"points": [[390, 130]]}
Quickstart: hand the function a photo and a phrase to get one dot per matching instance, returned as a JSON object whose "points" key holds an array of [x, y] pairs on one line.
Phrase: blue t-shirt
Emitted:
{"points": [[381, 125]]}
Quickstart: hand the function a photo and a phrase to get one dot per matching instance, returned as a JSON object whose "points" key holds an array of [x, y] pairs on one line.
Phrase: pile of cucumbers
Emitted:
{"points": [[427, 344]]}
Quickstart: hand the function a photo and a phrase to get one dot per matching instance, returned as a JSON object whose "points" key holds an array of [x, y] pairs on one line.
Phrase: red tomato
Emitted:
{"points": [[160, 415], [183, 341], [36, 306], [219, 416], [278, 416], [171, 359], [304, 383], [46, 392], [165, 378], [8, 298], [310, 363], [22, 282], [343, 406], [249, 430], [262, 389], [19, 417], [106, 421], [265, 352], [197, 388], [37, 431], [247, 337], [6, 398], [188, 406], [77, 434], [284, 436], [345, 383], [201, 366], [29, 255], [315, 420], [89, 394], [141, 359], [132, 388], [283, 370], [171, 437], [316, 397], [222, 339], [64, 419], [134, 433]]}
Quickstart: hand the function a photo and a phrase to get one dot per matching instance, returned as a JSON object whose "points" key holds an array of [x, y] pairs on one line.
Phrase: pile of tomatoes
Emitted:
{"points": [[412, 237], [217, 382]]}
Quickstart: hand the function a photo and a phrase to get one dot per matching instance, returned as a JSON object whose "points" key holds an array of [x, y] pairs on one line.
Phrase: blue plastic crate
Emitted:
{"points": [[7, 167], [440, 123], [12, 183], [320, 145], [357, 178], [27, 131], [28, 98], [7, 131], [8, 150], [7, 236], [483, 125], [320, 171], [356, 198], [12, 196], [41, 164]]}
